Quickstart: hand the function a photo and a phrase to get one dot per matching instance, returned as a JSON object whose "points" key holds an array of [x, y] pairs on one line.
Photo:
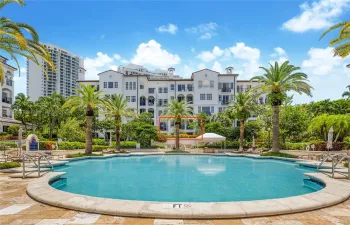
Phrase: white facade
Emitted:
{"points": [[206, 90], [7, 96], [69, 69]]}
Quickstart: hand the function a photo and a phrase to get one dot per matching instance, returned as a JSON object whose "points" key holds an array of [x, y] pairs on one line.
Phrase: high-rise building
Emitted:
{"points": [[69, 69]]}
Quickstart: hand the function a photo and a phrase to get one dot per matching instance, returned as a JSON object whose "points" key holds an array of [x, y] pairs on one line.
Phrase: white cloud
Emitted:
{"points": [[187, 71], [241, 51], [113, 67], [151, 53], [318, 15], [208, 56], [217, 67], [279, 55], [95, 65], [321, 61], [117, 56], [170, 28], [205, 31], [201, 66], [124, 61]]}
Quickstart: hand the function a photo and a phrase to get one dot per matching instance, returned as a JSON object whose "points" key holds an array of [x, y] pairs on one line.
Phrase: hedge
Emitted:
{"points": [[125, 144], [278, 154], [296, 146], [99, 141], [7, 165]]}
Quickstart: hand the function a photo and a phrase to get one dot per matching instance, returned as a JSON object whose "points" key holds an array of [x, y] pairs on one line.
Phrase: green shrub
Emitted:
{"points": [[346, 164], [7, 165], [11, 144], [126, 144], [13, 130], [278, 154], [347, 142], [3, 133], [65, 145], [99, 141], [46, 145], [296, 146], [98, 148], [81, 155]]}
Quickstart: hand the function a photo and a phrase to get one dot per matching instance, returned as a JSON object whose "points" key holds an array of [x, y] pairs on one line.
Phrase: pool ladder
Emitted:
{"points": [[31, 158], [335, 159]]}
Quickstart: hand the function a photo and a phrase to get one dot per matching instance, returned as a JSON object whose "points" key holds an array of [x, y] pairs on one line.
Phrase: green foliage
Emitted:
{"points": [[3, 133], [99, 141], [78, 155], [145, 133], [98, 148], [71, 130], [177, 152], [144, 117], [11, 144], [8, 165], [278, 154], [13, 130], [346, 164], [320, 125], [296, 146], [294, 121], [65, 145], [126, 144], [340, 106]]}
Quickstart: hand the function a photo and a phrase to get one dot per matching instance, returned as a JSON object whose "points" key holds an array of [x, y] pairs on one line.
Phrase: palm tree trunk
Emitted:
{"points": [[177, 136], [275, 128], [117, 139], [88, 137], [241, 134]]}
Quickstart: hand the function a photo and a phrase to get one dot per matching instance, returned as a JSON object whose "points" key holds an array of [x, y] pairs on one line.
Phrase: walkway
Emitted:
{"points": [[16, 208]]}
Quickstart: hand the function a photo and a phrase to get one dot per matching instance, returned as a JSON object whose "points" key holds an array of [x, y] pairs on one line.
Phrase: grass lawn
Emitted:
{"points": [[7, 165], [278, 154], [81, 155]]}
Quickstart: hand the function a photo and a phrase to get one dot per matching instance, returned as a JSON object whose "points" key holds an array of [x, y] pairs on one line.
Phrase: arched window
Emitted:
{"points": [[189, 99], [180, 97], [150, 100]]}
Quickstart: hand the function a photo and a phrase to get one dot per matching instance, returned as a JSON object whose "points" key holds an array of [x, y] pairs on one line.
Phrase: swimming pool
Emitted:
{"points": [[186, 178]]}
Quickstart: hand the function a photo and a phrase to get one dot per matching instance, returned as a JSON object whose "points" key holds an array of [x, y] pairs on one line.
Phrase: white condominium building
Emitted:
{"points": [[207, 91], [69, 69], [7, 96]]}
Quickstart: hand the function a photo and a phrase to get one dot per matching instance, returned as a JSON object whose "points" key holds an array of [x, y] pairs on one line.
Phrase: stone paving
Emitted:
{"points": [[16, 208]]}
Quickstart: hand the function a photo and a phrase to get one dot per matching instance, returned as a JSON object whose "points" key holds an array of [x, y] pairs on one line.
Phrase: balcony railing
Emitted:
{"points": [[226, 89], [224, 102], [9, 82], [7, 100]]}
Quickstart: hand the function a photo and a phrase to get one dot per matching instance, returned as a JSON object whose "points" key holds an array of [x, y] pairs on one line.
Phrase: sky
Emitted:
{"points": [[192, 35]]}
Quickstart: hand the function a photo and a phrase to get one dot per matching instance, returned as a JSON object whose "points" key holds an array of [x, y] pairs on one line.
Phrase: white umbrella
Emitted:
{"points": [[330, 139]]}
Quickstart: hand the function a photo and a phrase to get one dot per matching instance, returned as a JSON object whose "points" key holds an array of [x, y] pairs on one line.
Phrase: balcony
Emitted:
{"points": [[7, 100], [224, 102], [226, 89], [9, 82]]}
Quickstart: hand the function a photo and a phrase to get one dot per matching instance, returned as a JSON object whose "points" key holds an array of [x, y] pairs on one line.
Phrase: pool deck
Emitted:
{"points": [[335, 192]]}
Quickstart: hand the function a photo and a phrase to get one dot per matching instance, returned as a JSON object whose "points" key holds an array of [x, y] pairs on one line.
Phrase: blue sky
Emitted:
{"points": [[195, 35]]}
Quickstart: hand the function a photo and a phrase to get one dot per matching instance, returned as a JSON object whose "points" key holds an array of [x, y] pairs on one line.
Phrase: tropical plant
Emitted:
{"points": [[14, 42], [117, 109], [21, 109], [341, 43], [87, 98], [14, 129], [70, 130], [346, 94], [242, 107], [177, 109], [276, 82], [145, 133]]}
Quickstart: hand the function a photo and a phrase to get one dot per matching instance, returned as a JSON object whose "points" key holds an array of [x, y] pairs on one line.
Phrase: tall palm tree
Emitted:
{"points": [[346, 94], [87, 98], [276, 82], [241, 108], [342, 49], [177, 110], [14, 42], [117, 108]]}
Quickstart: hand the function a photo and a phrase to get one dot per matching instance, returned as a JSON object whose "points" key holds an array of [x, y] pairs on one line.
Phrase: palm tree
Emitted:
{"points": [[342, 49], [243, 105], [276, 82], [117, 108], [14, 42], [87, 98], [346, 94], [177, 110]]}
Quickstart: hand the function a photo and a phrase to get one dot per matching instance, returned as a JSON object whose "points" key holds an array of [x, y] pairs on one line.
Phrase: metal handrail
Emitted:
{"points": [[24, 157], [38, 165], [323, 160], [334, 164]]}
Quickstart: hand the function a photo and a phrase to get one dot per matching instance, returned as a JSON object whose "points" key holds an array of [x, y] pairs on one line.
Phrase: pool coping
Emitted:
{"points": [[334, 192]]}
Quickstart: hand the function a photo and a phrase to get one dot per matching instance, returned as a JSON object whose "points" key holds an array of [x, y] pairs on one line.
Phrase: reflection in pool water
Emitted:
{"points": [[185, 178]]}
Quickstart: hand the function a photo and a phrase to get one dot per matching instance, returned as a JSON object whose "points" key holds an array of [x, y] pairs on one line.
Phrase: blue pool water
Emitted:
{"points": [[186, 178]]}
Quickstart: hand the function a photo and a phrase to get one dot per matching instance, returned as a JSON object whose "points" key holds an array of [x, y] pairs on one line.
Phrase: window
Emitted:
{"points": [[200, 84], [205, 83], [160, 102], [165, 101], [130, 85], [189, 87], [209, 97], [199, 109], [142, 86], [172, 97], [220, 109], [181, 87], [126, 86], [211, 83], [133, 98], [128, 98], [220, 98], [220, 85], [202, 97], [134, 86], [104, 84], [165, 90], [110, 84], [172, 87], [212, 109], [115, 84], [160, 90], [151, 90]]}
